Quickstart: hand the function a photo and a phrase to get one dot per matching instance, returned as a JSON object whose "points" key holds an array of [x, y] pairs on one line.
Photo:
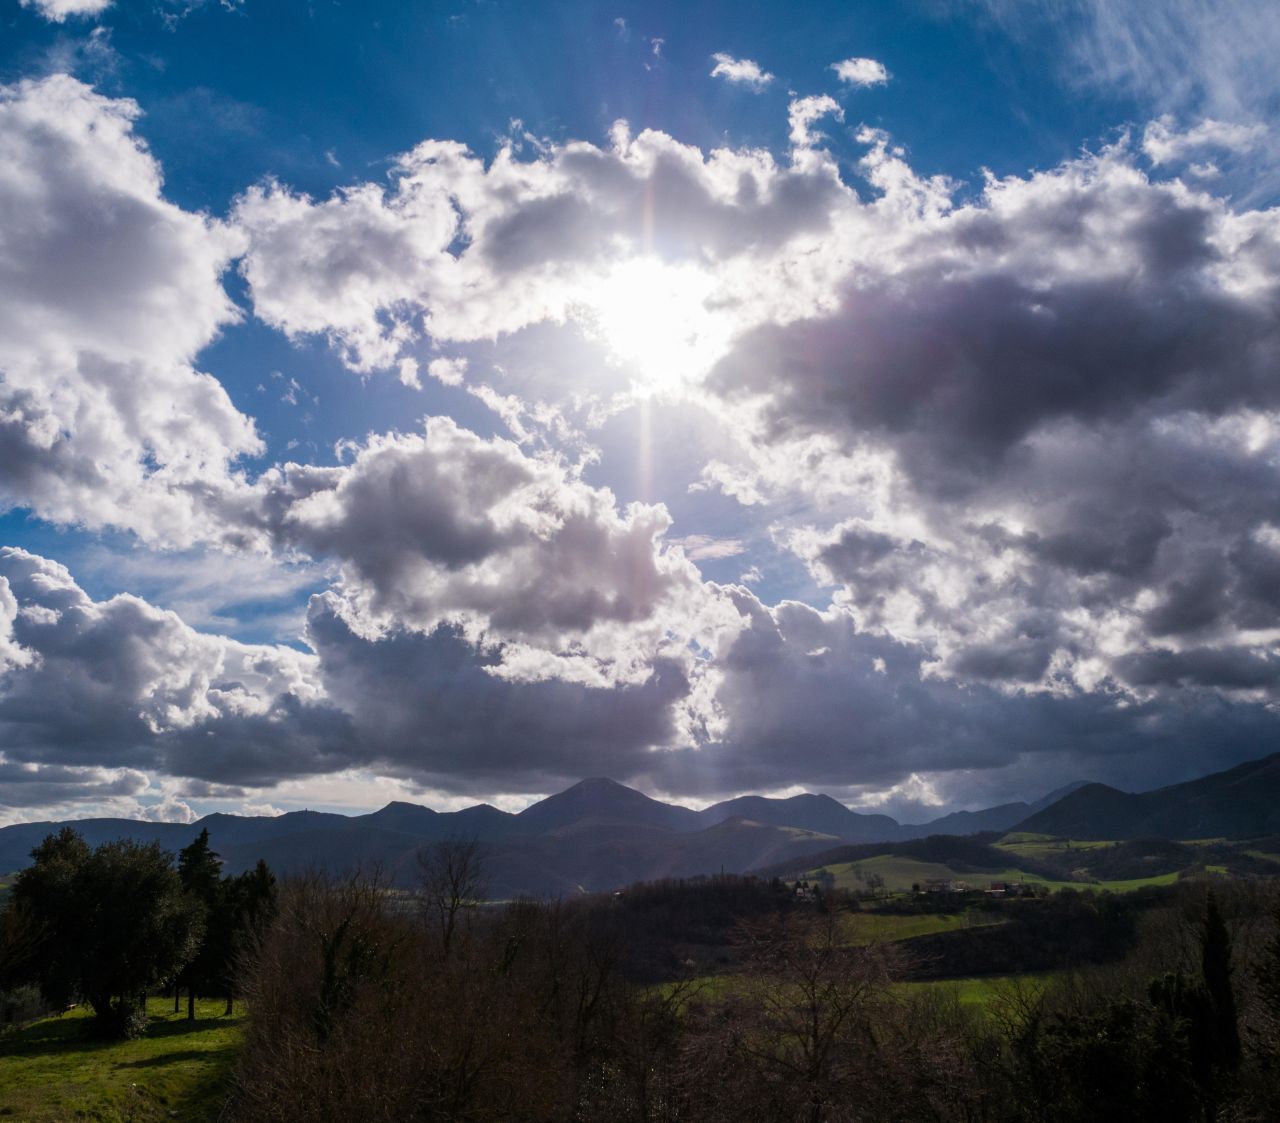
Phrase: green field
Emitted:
{"points": [[1029, 845], [901, 873], [50, 1071], [863, 928], [978, 990], [970, 991]]}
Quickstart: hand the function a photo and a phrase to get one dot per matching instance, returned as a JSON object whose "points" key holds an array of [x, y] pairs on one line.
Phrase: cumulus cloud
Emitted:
{"points": [[121, 685], [448, 528], [804, 111], [1024, 437], [948, 365], [107, 699], [1084, 325], [60, 10], [461, 250], [432, 708], [861, 72], [1164, 143], [107, 292], [740, 71]]}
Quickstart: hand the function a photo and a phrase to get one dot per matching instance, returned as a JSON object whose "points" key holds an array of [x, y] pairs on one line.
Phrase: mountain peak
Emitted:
{"points": [[601, 797], [601, 785]]}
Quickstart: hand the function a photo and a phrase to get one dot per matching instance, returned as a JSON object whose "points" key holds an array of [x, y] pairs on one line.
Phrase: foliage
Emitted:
{"points": [[116, 924]]}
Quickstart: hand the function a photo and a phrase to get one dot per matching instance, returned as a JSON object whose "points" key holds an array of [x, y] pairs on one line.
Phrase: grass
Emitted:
{"points": [[1027, 845], [901, 873], [978, 990], [51, 1071], [863, 928]]}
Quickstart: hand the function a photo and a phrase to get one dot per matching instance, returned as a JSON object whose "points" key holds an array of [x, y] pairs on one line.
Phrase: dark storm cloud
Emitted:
{"points": [[430, 707], [122, 684], [1071, 383], [39, 786], [812, 702]]}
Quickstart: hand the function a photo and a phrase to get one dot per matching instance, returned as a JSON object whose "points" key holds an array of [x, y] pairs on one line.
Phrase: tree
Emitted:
{"points": [[450, 880], [1215, 966], [799, 1035], [200, 872], [242, 908], [116, 920], [47, 893]]}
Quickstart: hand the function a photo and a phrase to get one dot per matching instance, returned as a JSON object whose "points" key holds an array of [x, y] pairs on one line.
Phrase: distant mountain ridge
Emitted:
{"points": [[600, 834], [1242, 802]]}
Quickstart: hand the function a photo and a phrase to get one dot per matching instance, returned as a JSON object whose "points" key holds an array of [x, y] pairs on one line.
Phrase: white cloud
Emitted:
{"points": [[446, 528], [803, 112], [446, 370], [1180, 57], [59, 10], [702, 547], [905, 382], [463, 251], [744, 71], [107, 292], [861, 72], [1164, 143]]}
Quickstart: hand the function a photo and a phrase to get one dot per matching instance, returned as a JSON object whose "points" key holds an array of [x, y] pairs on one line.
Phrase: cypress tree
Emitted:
{"points": [[1215, 966]]}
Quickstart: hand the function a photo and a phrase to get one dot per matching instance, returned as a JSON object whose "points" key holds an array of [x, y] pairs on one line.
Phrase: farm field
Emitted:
{"points": [[861, 929], [900, 873], [50, 1072], [979, 990], [1029, 845]]}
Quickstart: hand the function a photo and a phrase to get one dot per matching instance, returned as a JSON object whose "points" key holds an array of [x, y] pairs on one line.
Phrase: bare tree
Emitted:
{"points": [[451, 880]]}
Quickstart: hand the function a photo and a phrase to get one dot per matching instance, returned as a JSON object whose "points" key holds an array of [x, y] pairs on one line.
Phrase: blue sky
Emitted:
{"points": [[449, 401]]}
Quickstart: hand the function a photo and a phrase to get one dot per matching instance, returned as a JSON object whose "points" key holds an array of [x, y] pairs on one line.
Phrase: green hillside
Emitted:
{"points": [[900, 873]]}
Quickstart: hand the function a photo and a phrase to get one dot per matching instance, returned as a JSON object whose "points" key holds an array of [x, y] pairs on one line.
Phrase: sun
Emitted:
{"points": [[657, 321]]}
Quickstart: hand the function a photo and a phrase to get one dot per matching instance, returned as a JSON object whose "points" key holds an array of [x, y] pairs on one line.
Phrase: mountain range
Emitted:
{"points": [[599, 834]]}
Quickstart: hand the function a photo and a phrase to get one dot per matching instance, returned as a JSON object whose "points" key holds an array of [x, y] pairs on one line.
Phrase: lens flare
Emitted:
{"points": [[658, 322]]}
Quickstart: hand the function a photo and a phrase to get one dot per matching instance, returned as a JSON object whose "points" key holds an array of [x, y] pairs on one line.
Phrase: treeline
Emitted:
{"points": [[107, 926], [361, 1007]]}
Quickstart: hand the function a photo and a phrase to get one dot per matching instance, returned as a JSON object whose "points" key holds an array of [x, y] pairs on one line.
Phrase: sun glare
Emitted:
{"points": [[655, 320]]}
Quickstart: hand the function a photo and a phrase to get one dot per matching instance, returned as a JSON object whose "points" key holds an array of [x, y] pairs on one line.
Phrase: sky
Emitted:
{"points": [[451, 401]]}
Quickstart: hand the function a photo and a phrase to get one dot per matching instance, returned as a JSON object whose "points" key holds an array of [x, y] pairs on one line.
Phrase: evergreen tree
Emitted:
{"points": [[199, 868], [1215, 966], [200, 871]]}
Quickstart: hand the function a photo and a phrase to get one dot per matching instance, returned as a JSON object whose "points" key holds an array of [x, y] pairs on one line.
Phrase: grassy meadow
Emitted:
{"points": [[980, 991], [51, 1071], [900, 873], [863, 928]]}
